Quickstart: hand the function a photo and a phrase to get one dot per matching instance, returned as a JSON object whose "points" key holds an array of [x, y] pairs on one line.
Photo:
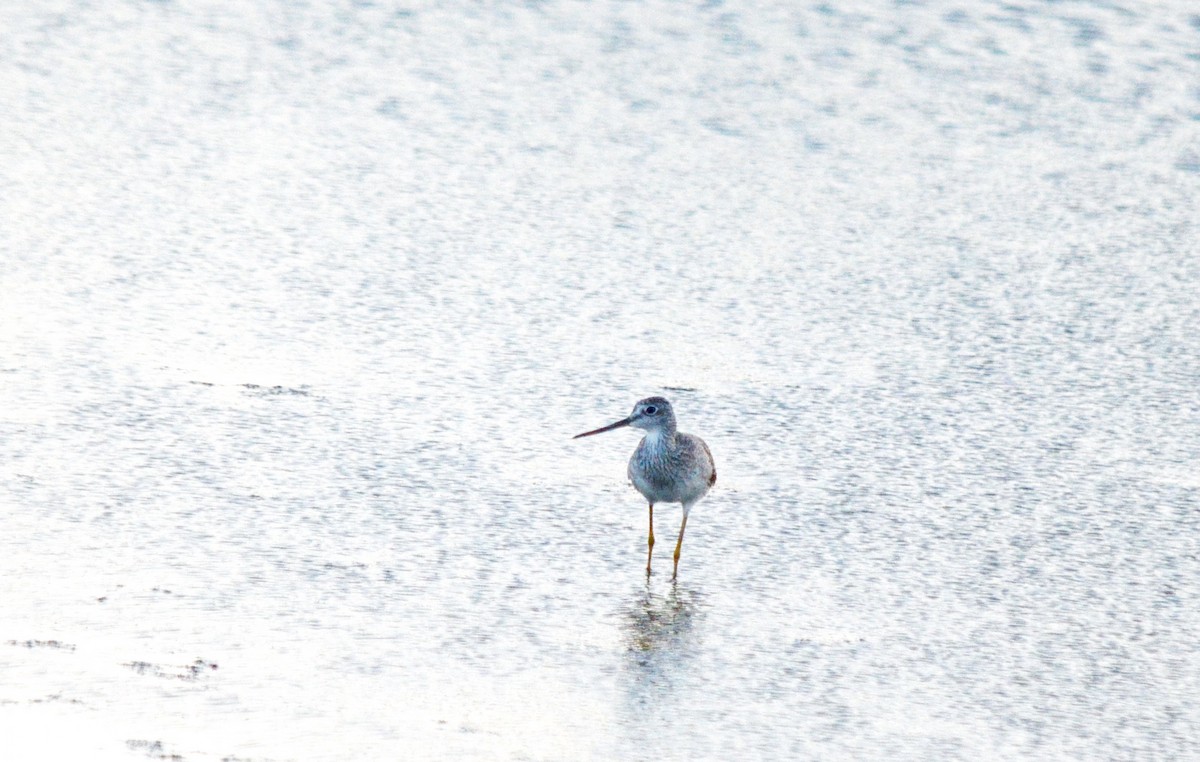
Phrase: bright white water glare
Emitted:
{"points": [[301, 304]]}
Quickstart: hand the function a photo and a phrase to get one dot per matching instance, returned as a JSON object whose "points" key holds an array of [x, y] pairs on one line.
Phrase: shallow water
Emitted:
{"points": [[302, 305]]}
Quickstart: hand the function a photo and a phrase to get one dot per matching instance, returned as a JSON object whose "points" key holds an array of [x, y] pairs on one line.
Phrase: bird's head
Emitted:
{"points": [[650, 414]]}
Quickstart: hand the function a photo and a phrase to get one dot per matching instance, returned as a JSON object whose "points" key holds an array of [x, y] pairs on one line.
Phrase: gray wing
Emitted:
{"points": [[712, 463], [703, 454]]}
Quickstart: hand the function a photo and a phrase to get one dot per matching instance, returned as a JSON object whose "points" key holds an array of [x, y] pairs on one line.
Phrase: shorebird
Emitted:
{"points": [[667, 466]]}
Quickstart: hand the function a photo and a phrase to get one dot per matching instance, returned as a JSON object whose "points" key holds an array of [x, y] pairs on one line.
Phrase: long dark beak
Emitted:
{"points": [[601, 430]]}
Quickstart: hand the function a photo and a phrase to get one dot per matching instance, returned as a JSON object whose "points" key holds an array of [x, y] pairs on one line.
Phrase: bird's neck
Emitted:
{"points": [[660, 439]]}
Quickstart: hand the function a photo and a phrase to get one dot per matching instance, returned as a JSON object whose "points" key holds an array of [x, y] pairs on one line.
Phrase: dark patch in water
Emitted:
{"points": [[43, 644], [277, 390], [188, 672], [55, 698], [153, 749]]}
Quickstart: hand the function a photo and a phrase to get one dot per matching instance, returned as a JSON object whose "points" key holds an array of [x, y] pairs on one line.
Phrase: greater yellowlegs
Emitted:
{"points": [[667, 466]]}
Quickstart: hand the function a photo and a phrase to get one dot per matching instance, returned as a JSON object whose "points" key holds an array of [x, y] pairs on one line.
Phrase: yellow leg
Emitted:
{"points": [[678, 546], [650, 542]]}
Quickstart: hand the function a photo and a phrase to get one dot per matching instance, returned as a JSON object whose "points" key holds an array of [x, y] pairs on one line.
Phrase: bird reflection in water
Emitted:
{"points": [[659, 631]]}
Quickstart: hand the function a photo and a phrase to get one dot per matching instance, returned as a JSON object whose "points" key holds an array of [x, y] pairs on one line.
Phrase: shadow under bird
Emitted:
{"points": [[667, 466]]}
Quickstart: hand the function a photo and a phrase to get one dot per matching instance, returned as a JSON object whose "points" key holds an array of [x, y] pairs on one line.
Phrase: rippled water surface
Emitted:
{"points": [[301, 303]]}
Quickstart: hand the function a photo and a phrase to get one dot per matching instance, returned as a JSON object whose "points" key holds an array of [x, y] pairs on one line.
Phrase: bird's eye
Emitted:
{"points": [[649, 410]]}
